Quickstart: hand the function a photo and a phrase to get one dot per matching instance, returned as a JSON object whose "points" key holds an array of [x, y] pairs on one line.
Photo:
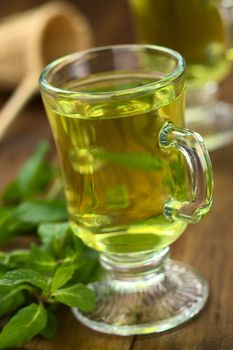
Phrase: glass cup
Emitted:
{"points": [[134, 178], [202, 31]]}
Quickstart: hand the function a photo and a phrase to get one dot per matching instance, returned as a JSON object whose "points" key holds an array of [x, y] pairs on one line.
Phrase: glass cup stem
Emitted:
{"points": [[131, 269], [144, 293]]}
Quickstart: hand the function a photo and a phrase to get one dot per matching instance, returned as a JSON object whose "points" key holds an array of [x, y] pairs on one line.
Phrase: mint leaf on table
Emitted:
{"points": [[90, 269], [40, 260], [59, 240], [62, 275], [34, 176], [5, 219], [35, 212], [19, 276], [73, 250], [51, 270], [54, 236], [10, 226], [23, 326], [10, 299], [3, 270], [5, 213], [77, 296], [29, 178], [51, 327], [11, 194], [14, 259], [28, 215]]}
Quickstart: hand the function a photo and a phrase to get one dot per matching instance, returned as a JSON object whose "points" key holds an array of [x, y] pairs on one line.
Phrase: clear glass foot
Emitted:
{"points": [[157, 297]]}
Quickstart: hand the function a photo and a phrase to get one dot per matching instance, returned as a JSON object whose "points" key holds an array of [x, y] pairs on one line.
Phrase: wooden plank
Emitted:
{"points": [[73, 335]]}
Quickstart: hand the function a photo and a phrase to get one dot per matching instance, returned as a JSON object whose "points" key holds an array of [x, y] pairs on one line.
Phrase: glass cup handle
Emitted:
{"points": [[192, 146]]}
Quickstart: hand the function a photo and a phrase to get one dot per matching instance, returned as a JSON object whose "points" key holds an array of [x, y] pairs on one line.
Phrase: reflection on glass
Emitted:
{"points": [[202, 31]]}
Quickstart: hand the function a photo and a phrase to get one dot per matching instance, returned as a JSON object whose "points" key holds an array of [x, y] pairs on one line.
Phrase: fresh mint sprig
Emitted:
{"points": [[53, 269]]}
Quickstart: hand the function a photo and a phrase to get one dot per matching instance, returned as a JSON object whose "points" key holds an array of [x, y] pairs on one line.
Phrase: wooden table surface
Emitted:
{"points": [[207, 246]]}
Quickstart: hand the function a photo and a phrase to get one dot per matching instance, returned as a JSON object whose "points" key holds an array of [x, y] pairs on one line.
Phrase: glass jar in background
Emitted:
{"points": [[202, 31]]}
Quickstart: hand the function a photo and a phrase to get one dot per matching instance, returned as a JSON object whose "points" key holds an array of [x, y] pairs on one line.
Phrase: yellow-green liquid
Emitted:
{"points": [[116, 177], [198, 29]]}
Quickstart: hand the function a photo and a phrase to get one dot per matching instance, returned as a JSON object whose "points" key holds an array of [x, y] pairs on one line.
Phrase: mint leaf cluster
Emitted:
{"points": [[53, 268]]}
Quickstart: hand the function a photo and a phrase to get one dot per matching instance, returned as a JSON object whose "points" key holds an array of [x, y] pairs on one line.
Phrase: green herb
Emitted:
{"points": [[51, 327], [139, 161], [41, 260], [53, 269], [10, 299], [54, 237], [20, 276], [34, 176], [62, 275], [23, 326], [76, 296], [35, 212], [26, 216]]}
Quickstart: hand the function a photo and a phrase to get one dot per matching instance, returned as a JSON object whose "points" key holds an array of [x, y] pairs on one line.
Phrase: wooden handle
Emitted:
{"points": [[16, 102]]}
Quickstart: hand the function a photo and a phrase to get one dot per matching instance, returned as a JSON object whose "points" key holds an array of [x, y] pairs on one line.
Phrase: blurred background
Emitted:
{"points": [[108, 29], [111, 24]]}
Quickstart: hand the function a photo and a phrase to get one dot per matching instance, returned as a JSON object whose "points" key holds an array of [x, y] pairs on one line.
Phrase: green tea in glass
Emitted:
{"points": [[134, 178], [201, 30]]}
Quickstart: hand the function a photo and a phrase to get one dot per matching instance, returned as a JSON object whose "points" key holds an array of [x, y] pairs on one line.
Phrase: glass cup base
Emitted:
{"points": [[152, 305], [214, 122]]}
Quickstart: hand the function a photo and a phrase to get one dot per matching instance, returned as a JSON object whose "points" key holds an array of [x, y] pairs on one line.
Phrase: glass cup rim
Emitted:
{"points": [[147, 87]]}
